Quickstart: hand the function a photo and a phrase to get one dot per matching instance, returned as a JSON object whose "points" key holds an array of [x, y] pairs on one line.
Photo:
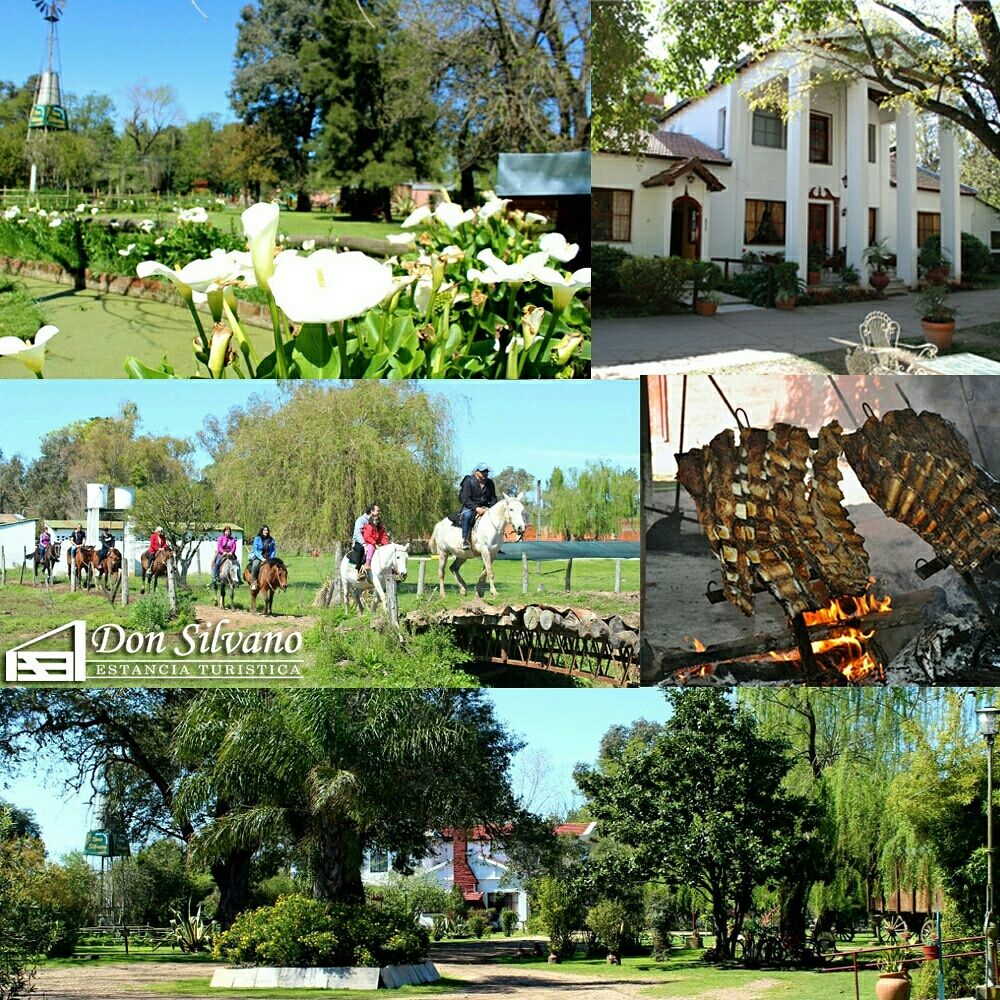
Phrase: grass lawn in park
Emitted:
{"points": [[295, 225], [685, 975], [98, 331], [90, 955]]}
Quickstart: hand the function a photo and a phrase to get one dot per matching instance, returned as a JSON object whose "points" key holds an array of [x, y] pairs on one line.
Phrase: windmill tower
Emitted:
{"points": [[47, 111]]}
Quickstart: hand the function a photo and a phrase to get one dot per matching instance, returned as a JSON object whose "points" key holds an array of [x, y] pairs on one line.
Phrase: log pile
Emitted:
{"points": [[621, 634]]}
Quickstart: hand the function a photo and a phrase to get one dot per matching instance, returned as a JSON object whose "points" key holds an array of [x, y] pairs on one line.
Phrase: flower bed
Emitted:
{"points": [[469, 293]]}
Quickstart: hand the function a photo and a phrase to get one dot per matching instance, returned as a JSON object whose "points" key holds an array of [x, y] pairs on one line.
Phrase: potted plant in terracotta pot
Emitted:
{"points": [[817, 254], [937, 318], [893, 981], [708, 305], [935, 264], [788, 286], [877, 257]]}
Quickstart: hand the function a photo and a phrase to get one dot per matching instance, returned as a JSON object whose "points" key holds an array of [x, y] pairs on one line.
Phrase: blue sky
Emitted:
{"points": [[531, 425], [562, 728], [109, 45]]}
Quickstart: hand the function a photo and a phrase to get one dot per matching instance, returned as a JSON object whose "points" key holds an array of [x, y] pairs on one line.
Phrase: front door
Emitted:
{"points": [[685, 228], [819, 221]]}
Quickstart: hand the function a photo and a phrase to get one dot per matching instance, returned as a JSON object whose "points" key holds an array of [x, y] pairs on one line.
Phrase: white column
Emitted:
{"points": [[738, 125], [906, 195], [857, 172], [886, 222], [797, 168], [951, 192]]}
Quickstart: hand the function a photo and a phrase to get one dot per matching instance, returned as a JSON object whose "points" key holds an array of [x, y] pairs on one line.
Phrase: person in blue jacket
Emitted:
{"points": [[263, 548]]}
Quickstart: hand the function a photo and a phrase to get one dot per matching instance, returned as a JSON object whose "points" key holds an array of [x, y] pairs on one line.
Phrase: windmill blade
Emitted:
{"points": [[52, 9]]}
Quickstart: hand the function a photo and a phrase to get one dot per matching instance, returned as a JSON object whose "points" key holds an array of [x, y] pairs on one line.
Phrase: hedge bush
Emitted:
{"points": [[976, 256], [299, 931], [654, 284], [604, 263]]}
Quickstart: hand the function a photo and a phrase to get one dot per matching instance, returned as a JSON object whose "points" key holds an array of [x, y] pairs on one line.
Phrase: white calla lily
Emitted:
{"points": [[401, 239], [555, 245], [328, 287], [127, 252], [147, 225], [31, 353], [563, 286], [533, 218], [492, 207], [452, 215], [308, 245], [197, 214], [416, 217], [260, 223], [12, 213], [55, 222]]}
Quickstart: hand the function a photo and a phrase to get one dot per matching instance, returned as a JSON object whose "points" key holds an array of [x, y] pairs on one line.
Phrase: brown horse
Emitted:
{"points": [[109, 567], [48, 561], [273, 574], [155, 568], [84, 557]]}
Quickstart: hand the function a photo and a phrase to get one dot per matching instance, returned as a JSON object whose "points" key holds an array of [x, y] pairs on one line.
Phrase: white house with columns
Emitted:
{"points": [[838, 168]]}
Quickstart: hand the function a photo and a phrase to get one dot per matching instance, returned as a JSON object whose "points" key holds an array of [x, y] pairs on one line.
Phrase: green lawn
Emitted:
{"points": [[98, 331], [201, 988], [340, 648], [96, 954], [293, 224]]}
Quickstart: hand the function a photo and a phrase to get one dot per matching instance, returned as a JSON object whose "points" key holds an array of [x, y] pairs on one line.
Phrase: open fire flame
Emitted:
{"points": [[846, 650]]}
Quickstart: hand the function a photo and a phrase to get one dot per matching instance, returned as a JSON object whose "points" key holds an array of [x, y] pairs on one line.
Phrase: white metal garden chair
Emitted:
{"points": [[879, 349]]}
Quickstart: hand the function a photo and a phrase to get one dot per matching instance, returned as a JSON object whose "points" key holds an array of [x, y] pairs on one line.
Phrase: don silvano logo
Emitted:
{"points": [[199, 652], [29, 662]]}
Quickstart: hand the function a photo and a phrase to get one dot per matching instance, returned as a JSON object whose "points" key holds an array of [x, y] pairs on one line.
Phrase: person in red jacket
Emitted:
{"points": [[157, 541], [374, 534]]}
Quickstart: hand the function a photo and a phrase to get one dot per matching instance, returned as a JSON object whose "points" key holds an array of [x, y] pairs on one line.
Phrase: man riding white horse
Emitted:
{"points": [[485, 534], [476, 495]]}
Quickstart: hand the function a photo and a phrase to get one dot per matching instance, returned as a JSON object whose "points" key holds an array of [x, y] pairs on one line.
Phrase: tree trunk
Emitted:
{"points": [[467, 194], [335, 864], [793, 914], [302, 201], [232, 876]]}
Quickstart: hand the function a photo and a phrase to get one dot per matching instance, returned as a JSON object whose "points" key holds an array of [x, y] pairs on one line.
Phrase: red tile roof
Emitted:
{"points": [[681, 146], [927, 180], [571, 829]]}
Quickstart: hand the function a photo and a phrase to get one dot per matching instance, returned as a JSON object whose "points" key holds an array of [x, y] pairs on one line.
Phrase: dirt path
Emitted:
{"points": [[132, 982], [247, 621]]}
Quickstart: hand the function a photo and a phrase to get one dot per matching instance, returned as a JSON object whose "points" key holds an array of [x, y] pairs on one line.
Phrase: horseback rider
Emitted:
{"points": [[225, 545], [78, 538], [477, 495], [374, 535], [264, 548], [107, 540], [157, 542], [44, 541], [358, 539]]}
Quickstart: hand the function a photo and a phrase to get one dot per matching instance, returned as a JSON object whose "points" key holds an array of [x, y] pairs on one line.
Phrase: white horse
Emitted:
{"points": [[485, 539], [387, 560], [229, 576]]}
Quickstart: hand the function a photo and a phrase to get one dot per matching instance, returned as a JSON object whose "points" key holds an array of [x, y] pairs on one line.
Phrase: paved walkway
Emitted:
{"points": [[627, 348], [135, 981]]}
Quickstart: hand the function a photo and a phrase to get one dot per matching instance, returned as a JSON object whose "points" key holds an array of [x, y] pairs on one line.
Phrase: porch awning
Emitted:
{"points": [[670, 176]]}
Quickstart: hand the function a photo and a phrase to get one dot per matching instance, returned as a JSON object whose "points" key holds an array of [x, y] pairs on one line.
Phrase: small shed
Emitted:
{"points": [[556, 185], [17, 536]]}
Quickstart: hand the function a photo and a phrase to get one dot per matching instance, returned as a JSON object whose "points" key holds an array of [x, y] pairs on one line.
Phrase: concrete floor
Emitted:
{"points": [[627, 348]]}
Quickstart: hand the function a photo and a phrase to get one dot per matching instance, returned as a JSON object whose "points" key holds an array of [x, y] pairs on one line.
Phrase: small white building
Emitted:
{"points": [[471, 860], [720, 177], [18, 536]]}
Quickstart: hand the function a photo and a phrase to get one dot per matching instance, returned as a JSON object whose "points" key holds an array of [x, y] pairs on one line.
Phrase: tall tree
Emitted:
{"points": [[343, 447], [702, 802], [377, 122], [335, 773], [270, 89]]}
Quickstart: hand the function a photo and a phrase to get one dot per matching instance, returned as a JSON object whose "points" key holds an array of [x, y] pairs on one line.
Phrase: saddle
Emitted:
{"points": [[456, 519], [356, 555]]}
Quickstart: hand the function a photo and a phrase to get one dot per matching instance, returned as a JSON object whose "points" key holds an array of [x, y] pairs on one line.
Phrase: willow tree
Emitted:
{"points": [[310, 464], [334, 773]]}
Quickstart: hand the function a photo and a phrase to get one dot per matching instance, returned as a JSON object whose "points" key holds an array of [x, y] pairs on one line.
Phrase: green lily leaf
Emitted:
{"points": [[134, 368], [314, 353]]}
